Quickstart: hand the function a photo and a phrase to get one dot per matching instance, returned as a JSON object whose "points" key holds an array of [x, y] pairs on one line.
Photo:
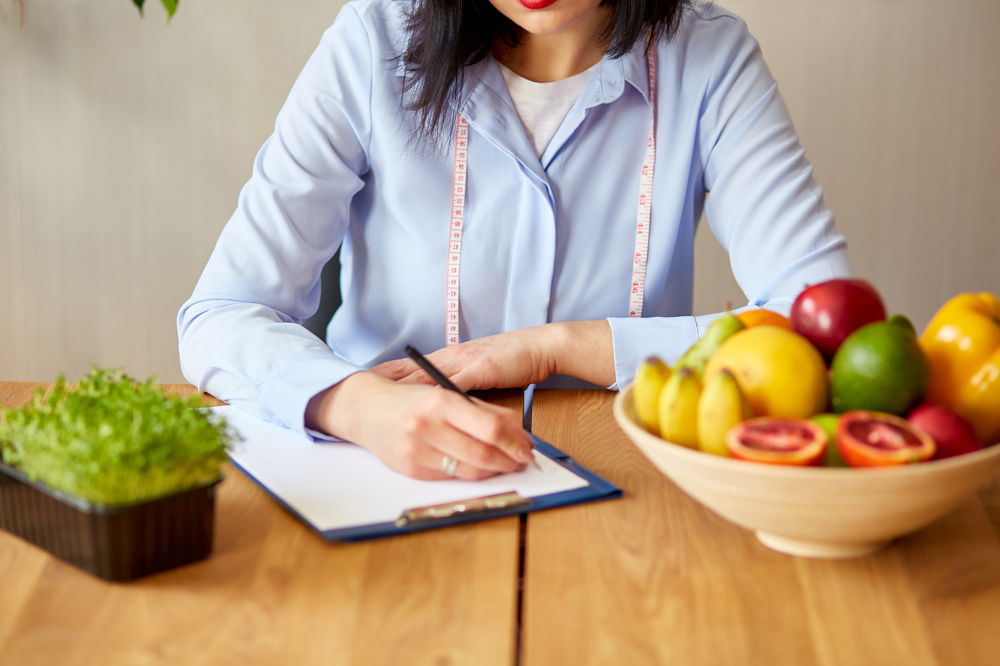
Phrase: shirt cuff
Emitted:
{"points": [[287, 392], [635, 339]]}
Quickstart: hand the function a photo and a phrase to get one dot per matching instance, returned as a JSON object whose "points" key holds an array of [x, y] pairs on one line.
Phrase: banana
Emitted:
{"points": [[722, 405], [697, 356], [678, 408], [650, 377]]}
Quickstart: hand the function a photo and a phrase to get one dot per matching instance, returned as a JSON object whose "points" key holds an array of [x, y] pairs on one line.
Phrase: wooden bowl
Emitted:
{"points": [[816, 511]]}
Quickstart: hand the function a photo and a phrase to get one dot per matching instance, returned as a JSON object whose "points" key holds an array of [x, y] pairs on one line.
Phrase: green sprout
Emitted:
{"points": [[114, 441]]}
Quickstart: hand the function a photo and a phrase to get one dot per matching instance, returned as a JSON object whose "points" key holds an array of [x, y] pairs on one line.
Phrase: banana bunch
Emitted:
{"points": [[674, 404]]}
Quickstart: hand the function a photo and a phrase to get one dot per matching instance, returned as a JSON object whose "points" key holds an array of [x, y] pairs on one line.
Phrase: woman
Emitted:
{"points": [[489, 166]]}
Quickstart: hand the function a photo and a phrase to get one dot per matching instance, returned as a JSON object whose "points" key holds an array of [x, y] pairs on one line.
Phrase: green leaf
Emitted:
{"points": [[170, 6], [114, 441], [138, 3]]}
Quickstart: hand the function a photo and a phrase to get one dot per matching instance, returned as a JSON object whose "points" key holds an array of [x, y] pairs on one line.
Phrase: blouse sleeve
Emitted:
{"points": [[240, 335], [763, 205]]}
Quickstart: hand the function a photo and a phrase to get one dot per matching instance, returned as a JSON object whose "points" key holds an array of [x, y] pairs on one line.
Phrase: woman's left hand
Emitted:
{"points": [[508, 360], [518, 358]]}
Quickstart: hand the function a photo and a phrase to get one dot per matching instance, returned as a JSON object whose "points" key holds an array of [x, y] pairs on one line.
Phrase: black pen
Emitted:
{"points": [[442, 381]]}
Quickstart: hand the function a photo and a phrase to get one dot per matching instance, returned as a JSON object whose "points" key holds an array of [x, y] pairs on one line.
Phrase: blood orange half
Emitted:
{"points": [[875, 439], [778, 441]]}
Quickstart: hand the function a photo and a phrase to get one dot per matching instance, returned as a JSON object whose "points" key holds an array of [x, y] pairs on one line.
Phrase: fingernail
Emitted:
{"points": [[526, 455]]}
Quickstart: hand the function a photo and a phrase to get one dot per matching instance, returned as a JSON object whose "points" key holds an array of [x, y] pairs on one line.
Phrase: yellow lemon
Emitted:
{"points": [[779, 372]]}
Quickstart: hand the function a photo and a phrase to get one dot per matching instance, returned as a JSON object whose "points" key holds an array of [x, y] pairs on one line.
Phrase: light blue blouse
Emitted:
{"points": [[545, 240]]}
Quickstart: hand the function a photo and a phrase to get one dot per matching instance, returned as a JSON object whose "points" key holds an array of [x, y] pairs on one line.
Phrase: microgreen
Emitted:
{"points": [[114, 441]]}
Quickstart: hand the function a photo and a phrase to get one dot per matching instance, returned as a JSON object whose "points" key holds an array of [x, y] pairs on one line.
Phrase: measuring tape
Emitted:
{"points": [[643, 217], [455, 229]]}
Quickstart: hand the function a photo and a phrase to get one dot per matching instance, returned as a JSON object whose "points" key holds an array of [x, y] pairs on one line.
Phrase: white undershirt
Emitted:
{"points": [[543, 106]]}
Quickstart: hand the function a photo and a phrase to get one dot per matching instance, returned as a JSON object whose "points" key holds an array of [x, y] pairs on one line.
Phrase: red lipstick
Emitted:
{"points": [[536, 4]]}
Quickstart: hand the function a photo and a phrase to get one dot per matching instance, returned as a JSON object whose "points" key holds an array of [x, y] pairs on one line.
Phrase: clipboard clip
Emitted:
{"points": [[450, 509]]}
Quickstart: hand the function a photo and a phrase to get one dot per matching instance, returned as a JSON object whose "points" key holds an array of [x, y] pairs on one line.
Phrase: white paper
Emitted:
{"points": [[335, 485]]}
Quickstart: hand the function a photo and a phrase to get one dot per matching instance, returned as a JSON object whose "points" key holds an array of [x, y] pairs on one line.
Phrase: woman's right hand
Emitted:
{"points": [[412, 427]]}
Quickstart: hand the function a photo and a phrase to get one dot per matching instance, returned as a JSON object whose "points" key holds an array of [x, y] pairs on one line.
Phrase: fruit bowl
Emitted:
{"points": [[816, 511]]}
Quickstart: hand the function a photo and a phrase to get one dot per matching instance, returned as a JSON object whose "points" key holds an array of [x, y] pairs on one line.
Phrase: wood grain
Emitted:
{"points": [[656, 578], [652, 578], [273, 592], [953, 568]]}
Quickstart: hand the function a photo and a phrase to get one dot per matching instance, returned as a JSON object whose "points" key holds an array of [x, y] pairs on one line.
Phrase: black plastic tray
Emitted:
{"points": [[115, 543]]}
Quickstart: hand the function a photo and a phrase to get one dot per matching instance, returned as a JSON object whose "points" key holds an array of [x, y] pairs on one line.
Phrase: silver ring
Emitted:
{"points": [[449, 465]]}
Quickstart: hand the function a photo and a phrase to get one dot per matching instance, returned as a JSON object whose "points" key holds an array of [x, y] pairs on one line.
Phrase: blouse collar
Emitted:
{"points": [[604, 88]]}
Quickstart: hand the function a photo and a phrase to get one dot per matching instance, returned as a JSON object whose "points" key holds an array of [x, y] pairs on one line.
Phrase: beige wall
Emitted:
{"points": [[123, 147], [124, 142], [896, 102]]}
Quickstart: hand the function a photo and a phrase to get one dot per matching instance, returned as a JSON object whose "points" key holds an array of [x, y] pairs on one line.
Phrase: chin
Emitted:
{"points": [[541, 27], [545, 17]]}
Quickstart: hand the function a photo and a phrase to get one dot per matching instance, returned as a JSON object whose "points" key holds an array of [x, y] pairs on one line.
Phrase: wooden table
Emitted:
{"points": [[653, 578], [272, 593]]}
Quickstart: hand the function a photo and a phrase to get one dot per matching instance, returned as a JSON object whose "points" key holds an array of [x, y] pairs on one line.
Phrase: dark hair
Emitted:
{"points": [[446, 36]]}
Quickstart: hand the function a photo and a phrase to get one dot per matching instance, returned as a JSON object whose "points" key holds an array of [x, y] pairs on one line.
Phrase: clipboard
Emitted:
{"points": [[467, 501]]}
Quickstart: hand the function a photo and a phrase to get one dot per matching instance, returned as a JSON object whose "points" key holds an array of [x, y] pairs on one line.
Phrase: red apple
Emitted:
{"points": [[828, 312], [953, 434]]}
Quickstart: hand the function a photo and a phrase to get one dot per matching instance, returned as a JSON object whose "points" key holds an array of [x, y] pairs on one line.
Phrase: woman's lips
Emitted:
{"points": [[536, 4]]}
